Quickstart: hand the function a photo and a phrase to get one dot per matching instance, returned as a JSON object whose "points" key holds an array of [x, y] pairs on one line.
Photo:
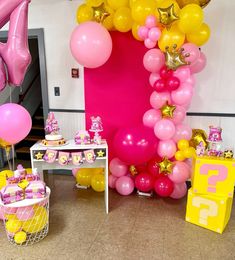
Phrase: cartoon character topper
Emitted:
{"points": [[215, 141], [200, 149], [82, 137], [215, 134], [96, 127], [51, 124]]}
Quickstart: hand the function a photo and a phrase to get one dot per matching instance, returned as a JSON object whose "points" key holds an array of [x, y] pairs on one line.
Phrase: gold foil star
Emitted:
{"points": [[100, 153], [167, 110], [175, 58], [228, 154], [23, 184], [100, 13], [167, 15], [133, 170], [165, 166], [39, 156]]}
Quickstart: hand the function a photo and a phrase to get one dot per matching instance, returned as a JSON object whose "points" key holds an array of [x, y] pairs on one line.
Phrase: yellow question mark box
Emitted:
{"points": [[208, 211], [213, 176]]}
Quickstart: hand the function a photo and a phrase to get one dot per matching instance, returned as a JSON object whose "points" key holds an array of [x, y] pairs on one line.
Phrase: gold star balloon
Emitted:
{"points": [[168, 110], [165, 166], [100, 13], [175, 58], [202, 3], [167, 15], [198, 136], [228, 154], [133, 170]]}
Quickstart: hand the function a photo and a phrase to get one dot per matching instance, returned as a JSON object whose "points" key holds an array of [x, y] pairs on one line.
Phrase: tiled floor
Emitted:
{"points": [[136, 228]]}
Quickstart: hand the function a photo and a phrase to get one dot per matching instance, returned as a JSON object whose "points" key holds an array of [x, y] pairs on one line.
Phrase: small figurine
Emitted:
{"points": [[215, 141], [200, 149], [228, 154], [82, 137], [215, 134], [51, 124], [96, 127]]}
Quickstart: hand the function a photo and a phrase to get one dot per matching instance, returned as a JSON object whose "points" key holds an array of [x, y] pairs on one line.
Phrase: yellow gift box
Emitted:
{"points": [[213, 176], [208, 211]]}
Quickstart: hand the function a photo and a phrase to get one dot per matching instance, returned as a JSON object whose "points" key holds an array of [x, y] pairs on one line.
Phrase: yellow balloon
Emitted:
{"points": [[13, 225], [94, 3], [182, 144], [10, 216], [108, 21], [199, 37], [179, 156], [189, 152], [171, 37], [115, 4], [38, 222], [97, 171], [20, 237], [131, 3], [3, 177], [29, 170], [191, 18], [83, 177], [84, 13], [122, 19], [98, 182], [134, 30], [141, 9], [202, 3]]}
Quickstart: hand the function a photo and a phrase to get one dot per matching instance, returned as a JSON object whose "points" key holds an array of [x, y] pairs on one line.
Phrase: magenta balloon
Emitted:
{"points": [[153, 60], [15, 52], [151, 117], [153, 78], [179, 115], [180, 172], [144, 182], [199, 65], [157, 100], [16, 123], [182, 73], [118, 168], [125, 185], [3, 78], [112, 181], [163, 186], [183, 95], [192, 50], [179, 191], [135, 145], [166, 148], [91, 44], [182, 131], [164, 129]]}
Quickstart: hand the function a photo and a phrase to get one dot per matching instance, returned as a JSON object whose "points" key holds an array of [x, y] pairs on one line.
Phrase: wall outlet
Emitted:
{"points": [[57, 91]]}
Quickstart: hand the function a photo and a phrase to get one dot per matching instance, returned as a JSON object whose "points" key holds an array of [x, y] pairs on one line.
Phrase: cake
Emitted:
{"points": [[52, 138]]}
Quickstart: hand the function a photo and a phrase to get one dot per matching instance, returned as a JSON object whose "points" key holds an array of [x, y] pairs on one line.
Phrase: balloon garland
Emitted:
{"points": [[153, 156]]}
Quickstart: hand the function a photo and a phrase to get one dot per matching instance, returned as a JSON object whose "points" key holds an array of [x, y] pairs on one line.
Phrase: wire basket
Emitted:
{"points": [[27, 222]]}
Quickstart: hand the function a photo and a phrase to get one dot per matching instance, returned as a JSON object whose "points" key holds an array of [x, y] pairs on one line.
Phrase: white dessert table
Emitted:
{"points": [[71, 146]]}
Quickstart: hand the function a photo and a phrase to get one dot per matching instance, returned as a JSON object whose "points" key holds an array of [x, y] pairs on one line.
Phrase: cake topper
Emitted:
{"points": [[96, 127], [51, 124], [215, 134]]}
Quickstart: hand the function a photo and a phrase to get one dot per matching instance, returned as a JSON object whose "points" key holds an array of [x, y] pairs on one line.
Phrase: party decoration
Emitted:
{"points": [[144, 182], [165, 166], [167, 15], [202, 3], [77, 158], [83, 177], [200, 36], [13, 225], [133, 171], [163, 186], [198, 136], [180, 190], [180, 172], [89, 156], [122, 19], [20, 237], [175, 57], [112, 181], [16, 123], [3, 78], [118, 168], [96, 127], [5, 145], [49, 156], [125, 185], [166, 148], [91, 44], [215, 141], [100, 13], [84, 13], [228, 154], [98, 183], [24, 213], [168, 110]]}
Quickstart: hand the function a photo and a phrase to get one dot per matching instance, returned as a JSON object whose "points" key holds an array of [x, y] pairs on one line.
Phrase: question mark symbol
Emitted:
{"points": [[212, 181], [205, 213]]}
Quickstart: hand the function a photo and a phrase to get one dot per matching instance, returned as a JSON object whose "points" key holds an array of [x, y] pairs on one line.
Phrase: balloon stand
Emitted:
{"points": [[27, 222], [145, 194]]}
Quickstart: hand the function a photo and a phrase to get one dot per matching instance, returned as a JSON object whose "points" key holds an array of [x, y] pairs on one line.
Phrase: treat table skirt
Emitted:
{"points": [[99, 160]]}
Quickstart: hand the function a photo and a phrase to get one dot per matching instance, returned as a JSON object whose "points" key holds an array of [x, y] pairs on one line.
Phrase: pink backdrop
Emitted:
{"points": [[118, 91]]}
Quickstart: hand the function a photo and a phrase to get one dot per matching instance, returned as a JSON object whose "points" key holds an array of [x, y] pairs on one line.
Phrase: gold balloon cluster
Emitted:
{"points": [[179, 20]]}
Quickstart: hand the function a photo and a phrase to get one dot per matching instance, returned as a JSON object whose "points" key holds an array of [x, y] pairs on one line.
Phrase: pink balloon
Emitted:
{"points": [[183, 95], [182, 131], [180, 190], [10, 211], [16, 123], [179, 115], [149, 43], [154, 34], [199, 65], [91, 44], [118, 168], [182, 73], [164, 129], [157, 100], [143, 32], [125, 185], [3, 78], [25, 213], [112, 181], [166, 148], [180, 172], [193, 50], [135, 145], [15, 52], [151, 21], [151, 117], [74, 171], [153, 60], [153, 78], [191, 80]]}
